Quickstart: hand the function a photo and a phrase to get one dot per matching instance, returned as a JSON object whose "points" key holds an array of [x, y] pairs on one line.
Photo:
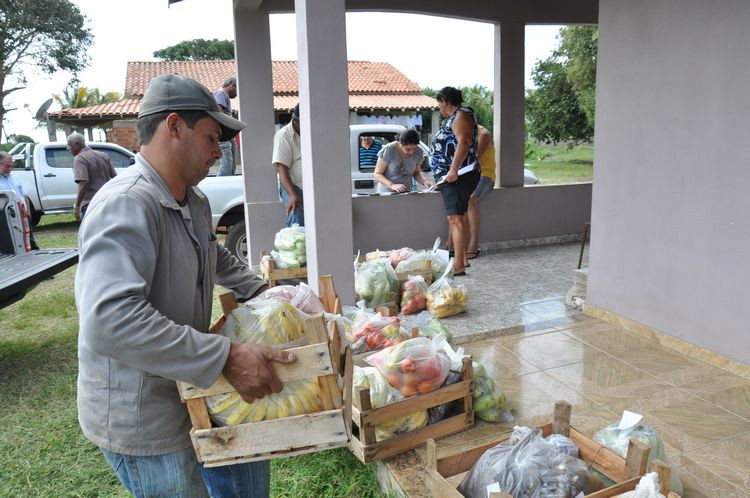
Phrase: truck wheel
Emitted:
{"points": [[35, 217], [236, 241]]}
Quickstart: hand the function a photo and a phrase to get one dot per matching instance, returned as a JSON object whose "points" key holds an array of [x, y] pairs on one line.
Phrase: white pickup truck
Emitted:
{"points": [[22, 268]]}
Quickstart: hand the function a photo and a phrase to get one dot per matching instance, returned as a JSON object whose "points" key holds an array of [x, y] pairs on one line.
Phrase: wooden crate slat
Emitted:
{"points": [[312, 361], [408, 406], [616, 489], [330, 394], [604, 460], [409, 440], [290, 433], [274, 454]]}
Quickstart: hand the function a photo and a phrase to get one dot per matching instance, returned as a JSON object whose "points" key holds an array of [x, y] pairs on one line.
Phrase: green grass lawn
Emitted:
{"points": [[555, 164], [42, 449]]}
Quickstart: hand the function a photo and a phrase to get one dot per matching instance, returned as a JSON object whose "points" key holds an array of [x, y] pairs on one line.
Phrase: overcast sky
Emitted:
{"points": [[132, 30]]}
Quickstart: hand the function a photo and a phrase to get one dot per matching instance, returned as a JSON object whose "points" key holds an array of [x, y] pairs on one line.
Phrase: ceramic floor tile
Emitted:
{"points": [[726, 390], [667, 364], [606, 380], [533, 397], [729, 459], [497, 360], [684, 421], [551, 350], [547, 309], [699, 482], [591, 421], [609, 338]]}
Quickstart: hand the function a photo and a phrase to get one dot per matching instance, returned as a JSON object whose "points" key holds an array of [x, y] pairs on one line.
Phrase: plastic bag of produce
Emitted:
{"points": [[445, 297], [290, 242], [377, 255], [490, 404], [300, 296], [372, 332], [563, 444], [413, 295], [526, 466], [381, 394], [277, 260], [617, 440], [290, 239], [400, 255], [647, 487], [270, 322], [438, 413], [427, 324], [414, 366], [374, 282], [415, 262]]}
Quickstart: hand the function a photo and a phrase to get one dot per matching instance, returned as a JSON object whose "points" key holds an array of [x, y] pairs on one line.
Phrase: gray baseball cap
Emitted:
{"points": [[174, 92]]}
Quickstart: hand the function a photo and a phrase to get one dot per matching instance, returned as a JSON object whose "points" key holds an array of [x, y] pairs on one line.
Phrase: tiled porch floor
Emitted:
{"points": [[551, 352]]}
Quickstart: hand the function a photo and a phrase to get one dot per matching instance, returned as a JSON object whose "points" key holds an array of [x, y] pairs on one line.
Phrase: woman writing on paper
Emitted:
{"points": [[398, 162], [454, 149]]}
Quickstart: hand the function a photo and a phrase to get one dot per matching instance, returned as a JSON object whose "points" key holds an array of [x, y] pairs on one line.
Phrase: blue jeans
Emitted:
{"points": [[180, 474], [298, 215], [228, 153]]}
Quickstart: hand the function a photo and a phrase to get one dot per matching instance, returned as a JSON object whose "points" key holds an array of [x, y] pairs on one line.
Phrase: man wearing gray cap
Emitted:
{"points": [[149, 260]]}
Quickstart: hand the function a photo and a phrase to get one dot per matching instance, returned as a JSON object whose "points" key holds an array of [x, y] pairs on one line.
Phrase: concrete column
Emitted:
{"points": [[51, 130], [509, 102], [255, 91], [90, 133], [352, 117], [324, 121], [435, 123]]}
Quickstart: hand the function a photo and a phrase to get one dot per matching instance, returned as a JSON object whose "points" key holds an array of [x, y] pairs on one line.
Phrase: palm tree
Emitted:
{"points": [[74, 97]]}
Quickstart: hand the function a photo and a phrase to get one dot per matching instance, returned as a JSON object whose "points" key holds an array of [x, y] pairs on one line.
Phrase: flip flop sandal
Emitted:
{"points": [[473, 255], [460, 274]]}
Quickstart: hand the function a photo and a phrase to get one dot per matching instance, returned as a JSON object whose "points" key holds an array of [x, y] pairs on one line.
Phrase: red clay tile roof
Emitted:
{"points": [[364, 76], [372, 86]]}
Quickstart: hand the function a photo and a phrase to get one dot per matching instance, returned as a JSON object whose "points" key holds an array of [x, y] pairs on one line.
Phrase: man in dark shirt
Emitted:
{"points": [[91, 170]]}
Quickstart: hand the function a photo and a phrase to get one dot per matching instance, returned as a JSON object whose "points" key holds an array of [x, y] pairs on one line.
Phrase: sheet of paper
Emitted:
{"points": [[629, 420], [493, 488]]}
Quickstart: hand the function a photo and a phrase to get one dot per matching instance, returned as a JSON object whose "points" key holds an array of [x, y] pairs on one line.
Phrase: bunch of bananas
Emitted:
{"points": [[446, 301], [270, 322], [297, 398]]}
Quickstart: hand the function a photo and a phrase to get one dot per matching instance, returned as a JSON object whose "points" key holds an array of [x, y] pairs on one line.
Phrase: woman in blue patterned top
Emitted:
{"points": [[455, 147]]}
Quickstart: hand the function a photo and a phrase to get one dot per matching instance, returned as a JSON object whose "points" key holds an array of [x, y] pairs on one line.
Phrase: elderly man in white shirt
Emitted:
{"points": [[287, 159]]}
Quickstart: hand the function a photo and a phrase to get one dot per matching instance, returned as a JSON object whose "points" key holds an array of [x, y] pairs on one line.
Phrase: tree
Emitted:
{"points": [[561, 108], [479, 98], [74, 97], [578, 47], [49, 35], [198, 50], [553, 113]]}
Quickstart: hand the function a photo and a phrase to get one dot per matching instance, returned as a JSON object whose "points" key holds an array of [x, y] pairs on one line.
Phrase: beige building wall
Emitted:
{"points": [[670, 210]]}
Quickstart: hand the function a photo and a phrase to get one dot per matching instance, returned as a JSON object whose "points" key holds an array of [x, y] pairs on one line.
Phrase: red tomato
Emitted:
{"points": [[407, 365], [375, 340], [425, 387]]}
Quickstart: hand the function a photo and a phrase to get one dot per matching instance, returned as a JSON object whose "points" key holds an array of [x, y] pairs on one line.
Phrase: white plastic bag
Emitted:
{"points": [[445, 297], [647, 487], [300, 296], [381, 394]]}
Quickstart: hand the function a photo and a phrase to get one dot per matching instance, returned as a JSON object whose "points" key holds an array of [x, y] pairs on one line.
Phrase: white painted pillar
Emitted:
{"points": [[324, 120], [435, 122], [509, 102], [255, 90]]}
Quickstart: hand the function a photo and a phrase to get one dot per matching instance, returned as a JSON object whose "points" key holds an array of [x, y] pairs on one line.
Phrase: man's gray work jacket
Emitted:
{"points": [[144, 291]]}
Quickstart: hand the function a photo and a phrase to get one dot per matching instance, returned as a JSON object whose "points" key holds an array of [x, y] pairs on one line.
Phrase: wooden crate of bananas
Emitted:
{"points": [[310, 414]]}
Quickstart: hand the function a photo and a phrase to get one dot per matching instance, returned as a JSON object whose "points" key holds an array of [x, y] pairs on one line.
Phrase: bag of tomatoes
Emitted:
{"points": [[415, 366], [375, 332], [413, 295]]}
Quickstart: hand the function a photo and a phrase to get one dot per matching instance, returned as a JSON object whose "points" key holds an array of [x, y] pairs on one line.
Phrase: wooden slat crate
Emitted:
{"points": [[283, 437], [272, 274], [364, 418], [626, 472]]}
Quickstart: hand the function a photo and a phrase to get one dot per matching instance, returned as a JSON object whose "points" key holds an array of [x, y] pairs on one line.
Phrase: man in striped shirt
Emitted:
{"points": [[368, 151]]}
